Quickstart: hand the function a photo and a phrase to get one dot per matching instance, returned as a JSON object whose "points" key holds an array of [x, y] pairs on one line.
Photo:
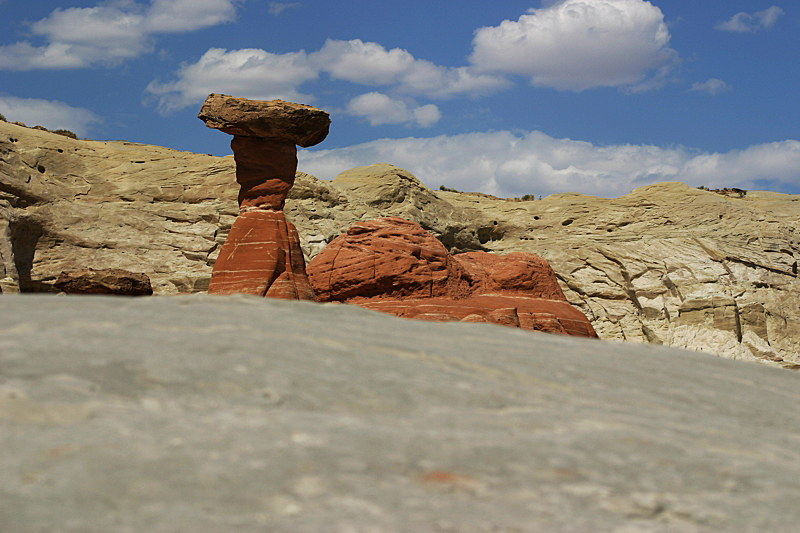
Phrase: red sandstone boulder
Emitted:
{"points": [[386, 258], [106, 281], [262, 254], [394, 266]]}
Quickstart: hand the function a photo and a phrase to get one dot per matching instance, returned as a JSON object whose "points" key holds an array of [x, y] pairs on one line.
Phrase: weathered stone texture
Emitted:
{"points": [[394, 266], [265, 171], [389, 257], [281, 121], [263, 259], [242, 414]]}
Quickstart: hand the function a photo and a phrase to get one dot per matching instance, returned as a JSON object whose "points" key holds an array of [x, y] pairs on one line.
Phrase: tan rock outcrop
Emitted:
{"points": [[262, 253], [395, 266], [73, 204]]}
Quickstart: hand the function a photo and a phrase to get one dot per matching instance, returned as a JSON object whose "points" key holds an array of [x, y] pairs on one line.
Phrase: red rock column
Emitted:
{"points": [[262, 254], [265, 170]]}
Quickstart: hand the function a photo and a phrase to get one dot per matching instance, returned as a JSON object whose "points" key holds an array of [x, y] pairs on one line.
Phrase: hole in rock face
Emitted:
{"points": [[536, 217], [40, 168], [60, 151], [609, 230], [567, 222], [495, 222], [720, 217]]}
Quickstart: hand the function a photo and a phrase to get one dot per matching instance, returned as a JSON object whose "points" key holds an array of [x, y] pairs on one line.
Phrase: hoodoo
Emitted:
{"points": [[262, 254]]}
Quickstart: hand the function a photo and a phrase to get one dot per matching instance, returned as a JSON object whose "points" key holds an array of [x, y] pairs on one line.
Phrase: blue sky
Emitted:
{"points": [[590, 96]]}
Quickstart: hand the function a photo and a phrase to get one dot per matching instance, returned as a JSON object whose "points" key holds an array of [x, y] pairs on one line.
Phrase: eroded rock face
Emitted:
{"points": [[628, 263], [262, 253], [66, 204], [108, 281], [394, 266]]}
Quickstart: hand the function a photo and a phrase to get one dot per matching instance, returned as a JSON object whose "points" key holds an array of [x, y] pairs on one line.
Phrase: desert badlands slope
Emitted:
{"points": [[666, 264]]}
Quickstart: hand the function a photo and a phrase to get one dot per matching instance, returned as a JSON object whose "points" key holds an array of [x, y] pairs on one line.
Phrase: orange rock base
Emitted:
{"points": [[262, 256]]}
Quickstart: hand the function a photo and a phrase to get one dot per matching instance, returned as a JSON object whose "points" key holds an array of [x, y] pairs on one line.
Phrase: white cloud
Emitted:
{"points": [[579, 44], [110, 33], [178, 16], [52, 115], [276, 8], [379, 108], [24, 56], [370, 63], [427, 115], [360, 62], [744, 22], [425, 78], [712, 86], [507, 164], [250, 73]]}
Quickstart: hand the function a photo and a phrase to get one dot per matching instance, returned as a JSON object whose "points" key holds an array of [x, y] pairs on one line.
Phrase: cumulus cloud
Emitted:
{"points": [[744, 22], [53, 115], [250, 73], [109, 33], [508, 164], [360, 62], [370, 63], [712, 86], [379, 108], [579, 44]]}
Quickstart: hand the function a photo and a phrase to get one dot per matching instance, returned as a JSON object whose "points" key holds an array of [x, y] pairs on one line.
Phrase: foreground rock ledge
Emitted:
{"points": [[221, 414]]}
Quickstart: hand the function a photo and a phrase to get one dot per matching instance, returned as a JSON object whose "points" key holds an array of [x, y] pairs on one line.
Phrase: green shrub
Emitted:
{"points": [[447, 189], [528, 197], [3, 118], [66, 133]]}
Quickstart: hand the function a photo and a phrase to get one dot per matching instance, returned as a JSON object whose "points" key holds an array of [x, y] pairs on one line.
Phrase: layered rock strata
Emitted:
{"points": [[395, 266], [262, 254]]}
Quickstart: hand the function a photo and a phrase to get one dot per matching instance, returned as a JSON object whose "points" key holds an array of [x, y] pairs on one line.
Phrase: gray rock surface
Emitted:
{"points": [[240, 414]]}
